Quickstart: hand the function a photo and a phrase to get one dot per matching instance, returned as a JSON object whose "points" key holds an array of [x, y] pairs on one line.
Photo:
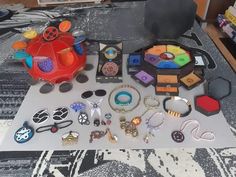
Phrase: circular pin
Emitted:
{"points": [[88, 67], [177, 136], [81, 78], [41, 116], [60, 113], [50, 33], [65, 87], [46, 88], [65, 26]]}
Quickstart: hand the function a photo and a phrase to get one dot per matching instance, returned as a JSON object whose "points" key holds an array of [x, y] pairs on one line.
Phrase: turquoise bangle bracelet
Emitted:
{"points": [[123, 94]]}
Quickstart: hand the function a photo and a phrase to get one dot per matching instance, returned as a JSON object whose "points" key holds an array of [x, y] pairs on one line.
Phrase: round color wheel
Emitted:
{"points": [[167, 56]]}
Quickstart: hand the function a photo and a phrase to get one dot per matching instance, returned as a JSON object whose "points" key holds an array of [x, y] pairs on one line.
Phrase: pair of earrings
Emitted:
{"points": [[43, 115]]}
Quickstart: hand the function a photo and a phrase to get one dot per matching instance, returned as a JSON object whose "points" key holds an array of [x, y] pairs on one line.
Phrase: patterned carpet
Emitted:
{"points": [[209, 162]]}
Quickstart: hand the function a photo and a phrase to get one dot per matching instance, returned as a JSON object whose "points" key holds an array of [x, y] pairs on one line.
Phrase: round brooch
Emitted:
{"points": [[110, 69], [177, 136]]}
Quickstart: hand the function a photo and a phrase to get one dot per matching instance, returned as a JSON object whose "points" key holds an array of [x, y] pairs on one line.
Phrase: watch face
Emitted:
{"points": [[177, 136]]}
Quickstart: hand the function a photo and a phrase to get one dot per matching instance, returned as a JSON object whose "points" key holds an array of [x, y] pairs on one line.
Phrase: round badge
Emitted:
{"points": [[41, 116], [24, 134], [65, 26], [110, 69], [50, 33], [177, 136], [60, 113]]}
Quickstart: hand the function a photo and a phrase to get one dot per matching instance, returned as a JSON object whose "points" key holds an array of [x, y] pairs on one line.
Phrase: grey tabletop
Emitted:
{"points": [[123, 22]]}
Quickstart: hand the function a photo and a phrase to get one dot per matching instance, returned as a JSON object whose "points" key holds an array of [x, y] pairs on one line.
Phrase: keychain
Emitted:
{"points": [[152, 128], [150, 104]]}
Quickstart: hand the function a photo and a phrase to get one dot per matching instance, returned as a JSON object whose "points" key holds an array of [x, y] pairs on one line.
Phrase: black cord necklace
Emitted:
{"points": [[54, 127]]}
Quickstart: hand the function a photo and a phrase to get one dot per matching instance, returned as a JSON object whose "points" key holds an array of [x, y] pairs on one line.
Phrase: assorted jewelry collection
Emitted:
{"points": [[123, 99]]}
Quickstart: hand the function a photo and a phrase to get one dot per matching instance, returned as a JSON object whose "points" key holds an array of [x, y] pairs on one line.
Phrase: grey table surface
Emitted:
{"points": [[122, 22]]}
